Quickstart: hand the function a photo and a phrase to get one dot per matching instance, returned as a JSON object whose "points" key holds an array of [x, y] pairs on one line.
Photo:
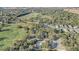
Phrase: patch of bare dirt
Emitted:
{"points": [[72, 10], [61, 47]]}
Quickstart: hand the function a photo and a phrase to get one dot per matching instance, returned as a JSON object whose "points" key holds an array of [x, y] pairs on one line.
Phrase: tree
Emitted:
{"points": [[0, 27]]}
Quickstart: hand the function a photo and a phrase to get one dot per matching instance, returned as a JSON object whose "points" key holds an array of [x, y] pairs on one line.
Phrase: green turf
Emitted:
{"points": [[8, 37]]}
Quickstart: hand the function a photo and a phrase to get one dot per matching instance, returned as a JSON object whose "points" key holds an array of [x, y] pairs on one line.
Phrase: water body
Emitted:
{"points": [[23, 14]]}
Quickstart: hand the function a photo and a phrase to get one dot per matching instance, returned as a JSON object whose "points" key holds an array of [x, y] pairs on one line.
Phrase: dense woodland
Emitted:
{"points": [[38, 29]]}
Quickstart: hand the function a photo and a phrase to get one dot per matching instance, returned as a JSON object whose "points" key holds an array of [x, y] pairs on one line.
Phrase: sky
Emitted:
{"points": [[39, 3]]}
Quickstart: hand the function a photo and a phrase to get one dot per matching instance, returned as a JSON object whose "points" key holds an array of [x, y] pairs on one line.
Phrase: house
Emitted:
{"points": [[53, 44], [38, 44], [43, 35]]}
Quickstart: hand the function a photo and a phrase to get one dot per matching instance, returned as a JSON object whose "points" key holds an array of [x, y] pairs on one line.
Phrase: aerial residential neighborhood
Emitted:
{"points": [[39, 29]]}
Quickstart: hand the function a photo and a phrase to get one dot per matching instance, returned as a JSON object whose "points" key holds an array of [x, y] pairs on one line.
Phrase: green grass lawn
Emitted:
{"points": [[8, 37], [12, 33]]}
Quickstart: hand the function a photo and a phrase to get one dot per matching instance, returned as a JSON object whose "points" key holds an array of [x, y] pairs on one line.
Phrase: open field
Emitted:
{"points": [[72, 10], [10, 35]]}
